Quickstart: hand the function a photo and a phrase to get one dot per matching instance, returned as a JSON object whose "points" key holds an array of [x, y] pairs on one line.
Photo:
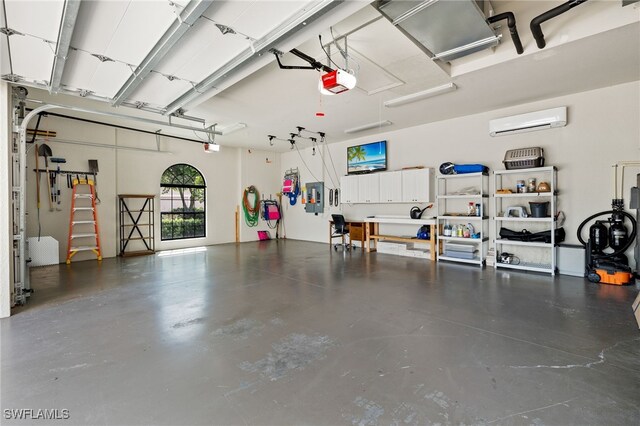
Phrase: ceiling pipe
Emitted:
{"points": [[538, 20], [115, 126], [67, 25], [176, 31], [311, 13], [511, 23]]}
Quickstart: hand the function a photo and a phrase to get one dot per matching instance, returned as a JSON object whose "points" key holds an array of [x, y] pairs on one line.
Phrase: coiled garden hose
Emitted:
{"points": [[251, 212]]}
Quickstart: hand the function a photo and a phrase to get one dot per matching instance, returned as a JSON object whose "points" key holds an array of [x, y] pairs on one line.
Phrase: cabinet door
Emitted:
{"points": [[416, 186], [349, 189], [390, 187], [369, 188]]}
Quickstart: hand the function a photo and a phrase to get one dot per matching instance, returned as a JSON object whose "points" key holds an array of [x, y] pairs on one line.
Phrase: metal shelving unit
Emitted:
{"points": [[506, 179], [137, 223], [451, 206]]}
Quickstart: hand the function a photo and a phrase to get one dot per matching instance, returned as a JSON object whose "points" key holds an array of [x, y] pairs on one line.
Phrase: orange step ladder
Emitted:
{"points": [[91, 240]]}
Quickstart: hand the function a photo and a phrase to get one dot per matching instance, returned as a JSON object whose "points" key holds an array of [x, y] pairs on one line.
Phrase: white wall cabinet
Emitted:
{"points": [[404, 186], [391, 187], [369, 188], [349, 189], [416, 186]]}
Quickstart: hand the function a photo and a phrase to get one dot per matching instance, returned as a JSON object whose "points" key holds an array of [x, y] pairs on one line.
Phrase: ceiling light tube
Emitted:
{"points": [[369, 126], [418, 96], [233, 128]]}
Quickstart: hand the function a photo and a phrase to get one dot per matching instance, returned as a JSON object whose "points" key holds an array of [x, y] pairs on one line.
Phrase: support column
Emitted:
{"points": [[6, 233]]}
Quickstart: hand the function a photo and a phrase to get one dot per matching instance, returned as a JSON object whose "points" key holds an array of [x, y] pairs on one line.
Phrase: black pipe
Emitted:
{"points": [[35, 131], [291, 67], [117, 126], [511, 23], [538, 20], [65, 172], [315, 64]]}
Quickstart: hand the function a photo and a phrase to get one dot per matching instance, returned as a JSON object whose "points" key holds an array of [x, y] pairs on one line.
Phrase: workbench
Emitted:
{"points": [[373, 232], [357, 231]]}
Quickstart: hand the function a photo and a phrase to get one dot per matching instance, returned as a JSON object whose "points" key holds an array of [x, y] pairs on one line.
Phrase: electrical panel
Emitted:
{"points": [[315, 197]]}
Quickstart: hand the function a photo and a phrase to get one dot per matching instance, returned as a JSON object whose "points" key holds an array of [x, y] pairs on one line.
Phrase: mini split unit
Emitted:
{"points": [[529, 122]]}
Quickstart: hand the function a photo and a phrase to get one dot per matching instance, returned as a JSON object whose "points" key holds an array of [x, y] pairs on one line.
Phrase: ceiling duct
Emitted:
{"points": [[444, 29]]}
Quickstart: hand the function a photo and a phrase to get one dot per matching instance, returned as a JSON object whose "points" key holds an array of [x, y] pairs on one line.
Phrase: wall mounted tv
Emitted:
{"points": [[367, 158]]}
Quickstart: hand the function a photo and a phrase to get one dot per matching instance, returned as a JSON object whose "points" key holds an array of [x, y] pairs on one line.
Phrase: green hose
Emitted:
{"points": [[251, 213]]}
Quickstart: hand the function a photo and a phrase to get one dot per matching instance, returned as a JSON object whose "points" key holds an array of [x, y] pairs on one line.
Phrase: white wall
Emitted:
{"points": [[307, 226], [126, 171], [603, 128]]}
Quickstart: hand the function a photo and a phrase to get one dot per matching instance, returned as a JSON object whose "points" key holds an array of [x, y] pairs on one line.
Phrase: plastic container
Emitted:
{"points": [[539, 209]]}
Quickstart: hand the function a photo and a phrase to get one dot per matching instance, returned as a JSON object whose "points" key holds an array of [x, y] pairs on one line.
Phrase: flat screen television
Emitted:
{"points": [[367, 158]]}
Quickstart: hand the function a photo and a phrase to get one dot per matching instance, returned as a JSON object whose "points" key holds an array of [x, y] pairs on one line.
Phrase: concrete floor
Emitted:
{"points": [[287, 333]]}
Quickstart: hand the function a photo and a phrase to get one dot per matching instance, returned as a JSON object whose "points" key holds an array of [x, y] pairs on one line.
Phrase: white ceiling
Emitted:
{"points": [[594, 45]]}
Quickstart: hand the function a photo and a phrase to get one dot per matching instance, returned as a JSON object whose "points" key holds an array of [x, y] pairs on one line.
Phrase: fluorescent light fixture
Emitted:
{"points": [[418, 96], [211, 147], [233, 128], [369, 126]]}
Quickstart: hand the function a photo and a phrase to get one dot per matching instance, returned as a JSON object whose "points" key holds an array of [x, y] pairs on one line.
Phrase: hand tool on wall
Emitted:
{"points": [[57, 192], [56, 179], [52, 181], [45, 151], [93, 166]]}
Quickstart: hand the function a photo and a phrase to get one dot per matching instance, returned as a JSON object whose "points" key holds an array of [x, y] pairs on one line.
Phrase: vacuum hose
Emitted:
{"points": [[608, 212]]}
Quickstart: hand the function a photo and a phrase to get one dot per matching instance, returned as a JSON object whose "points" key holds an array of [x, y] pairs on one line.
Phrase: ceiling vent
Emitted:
{"points": [[444, 29]]}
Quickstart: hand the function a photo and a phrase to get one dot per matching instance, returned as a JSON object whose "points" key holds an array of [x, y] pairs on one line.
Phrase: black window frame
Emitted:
{"points": [[183, 214]]}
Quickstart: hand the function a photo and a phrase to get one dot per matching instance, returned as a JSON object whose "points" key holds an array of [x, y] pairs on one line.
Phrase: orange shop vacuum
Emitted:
{"points": [[605, 259]]}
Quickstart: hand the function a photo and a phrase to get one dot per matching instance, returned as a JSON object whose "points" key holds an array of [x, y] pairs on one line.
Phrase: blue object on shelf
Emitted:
{"points": [[470, 168], [450, 168]]}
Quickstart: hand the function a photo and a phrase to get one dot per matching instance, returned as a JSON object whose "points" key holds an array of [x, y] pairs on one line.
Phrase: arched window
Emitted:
{"points": [[182, 203]]}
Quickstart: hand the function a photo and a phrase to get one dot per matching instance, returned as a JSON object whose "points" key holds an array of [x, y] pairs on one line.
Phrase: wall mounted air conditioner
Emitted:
{"points": [[529, 122]]}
